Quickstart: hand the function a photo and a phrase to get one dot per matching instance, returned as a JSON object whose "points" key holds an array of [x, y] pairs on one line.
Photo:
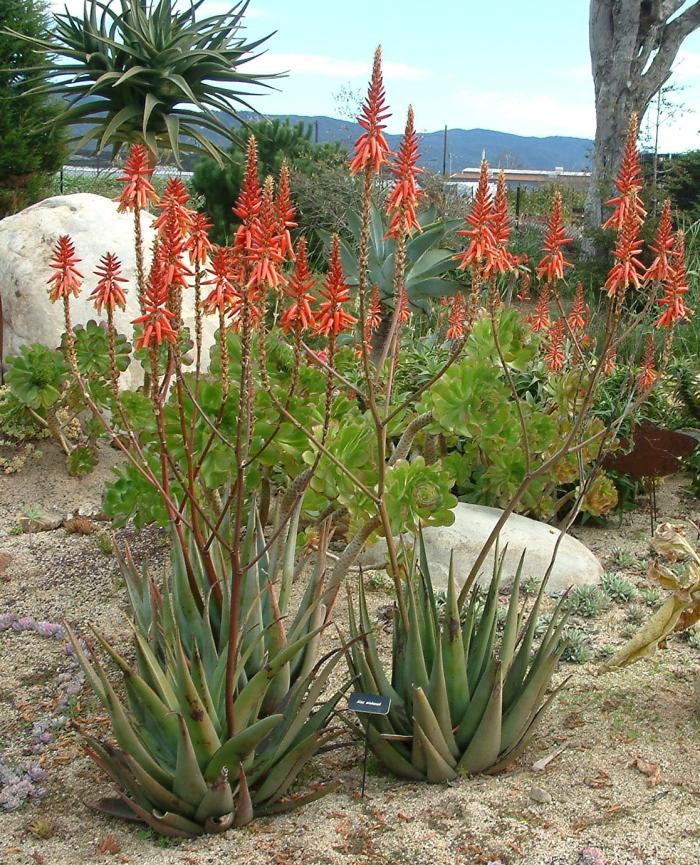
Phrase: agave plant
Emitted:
{"points": [[175, 766], [429, 266], [147, 74], [463, 700]]}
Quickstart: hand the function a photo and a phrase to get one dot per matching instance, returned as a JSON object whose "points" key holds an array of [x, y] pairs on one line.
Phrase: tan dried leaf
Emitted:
{"points": [[651, 770]]}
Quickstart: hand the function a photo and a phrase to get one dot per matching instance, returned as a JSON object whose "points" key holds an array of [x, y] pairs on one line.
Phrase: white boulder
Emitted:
{"points": [[27, 240], [575, 564]]}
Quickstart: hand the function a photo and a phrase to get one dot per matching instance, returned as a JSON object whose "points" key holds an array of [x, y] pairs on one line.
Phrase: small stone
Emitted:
{"points": [[592, 856], [538, 794], [5, 560]]}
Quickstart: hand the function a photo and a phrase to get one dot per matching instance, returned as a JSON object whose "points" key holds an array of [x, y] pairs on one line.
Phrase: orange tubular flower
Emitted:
{"points": [[405, 312], [660, 267], [174, 201], [483, 244], [555, 356], [138, 192], [629, 181], [371, 148], [286, 212], [676, 287], [502, 261], [525, 280], [628, 269], [374, 313], [609, 363], [156, 317], [540, 319], [456, 322], [553, 264], [579, 310], [222, 294], [172, 249], [67, 278], [403, 200], [299, 316], [250, 197], [265, 251], [198, 243], [333, 319], [108, 292], [648, 375]]}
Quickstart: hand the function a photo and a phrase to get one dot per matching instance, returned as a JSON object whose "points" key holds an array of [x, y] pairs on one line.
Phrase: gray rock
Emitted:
{"points": [[538, 794], [575, 564], [27, 240], [40, 522]]}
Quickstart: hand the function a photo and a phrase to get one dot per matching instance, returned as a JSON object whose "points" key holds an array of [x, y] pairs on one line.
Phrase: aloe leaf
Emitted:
{"points": [[477, 706], [235, 750], [388, 754], [437, 697], [438, 771], [510, 629], [200, 725], [424, 715], [188, 781], [280, 777], [453, 655], [217, 802], [485, 744], [517, 718]]}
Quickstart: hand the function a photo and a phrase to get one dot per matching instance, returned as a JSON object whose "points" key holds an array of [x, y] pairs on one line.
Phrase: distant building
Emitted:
{"points": [[466, 180]]}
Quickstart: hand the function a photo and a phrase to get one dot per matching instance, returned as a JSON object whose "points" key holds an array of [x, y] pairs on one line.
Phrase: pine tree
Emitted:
{"points": [[31, 149]]}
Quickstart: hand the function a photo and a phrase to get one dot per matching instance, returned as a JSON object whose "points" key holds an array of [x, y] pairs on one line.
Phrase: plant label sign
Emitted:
{"points": [[369, 704]]}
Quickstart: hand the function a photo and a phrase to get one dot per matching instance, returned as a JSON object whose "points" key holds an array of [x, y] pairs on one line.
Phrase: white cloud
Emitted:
{"points": [[330, 67], [522, 114]]}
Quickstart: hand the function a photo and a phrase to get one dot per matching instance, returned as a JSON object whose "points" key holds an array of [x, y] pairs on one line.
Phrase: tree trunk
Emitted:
{"points": [[633, 45]]}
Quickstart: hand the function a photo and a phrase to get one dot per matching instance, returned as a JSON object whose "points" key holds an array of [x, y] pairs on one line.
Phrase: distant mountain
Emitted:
{"points": [[465, 146]]}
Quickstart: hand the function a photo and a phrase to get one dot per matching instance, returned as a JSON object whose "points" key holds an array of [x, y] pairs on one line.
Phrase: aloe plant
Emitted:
{"points": [[150, 74], [175, 766], [429, 266], [463, 700]]}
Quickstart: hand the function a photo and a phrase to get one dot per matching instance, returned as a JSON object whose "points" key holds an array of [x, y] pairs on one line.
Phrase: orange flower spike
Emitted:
{"points": [[403, 199], [405, 312], [299, 316], [629, 180], [108, 292], [579, 310], [553, 263], [138, 192], [525, 281], [660, 267], [67, 279], [374, 313], [371, 148], [455, 329], [501, 261], [332, 318], [628, 269], [265, 252], [555, 356], [648, 375], [222, 294], [676, 287], [172, 249], [482, 243], [250, 197], [175, 200], [198, 244], [286, 212], [540, 319]]}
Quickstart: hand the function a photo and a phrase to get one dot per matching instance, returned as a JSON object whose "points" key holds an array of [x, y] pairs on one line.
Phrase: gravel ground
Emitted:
{"points": [[624, 786]]}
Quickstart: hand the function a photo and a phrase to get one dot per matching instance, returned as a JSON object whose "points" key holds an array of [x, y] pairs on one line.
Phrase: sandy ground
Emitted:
{"points": [[591, 795]]}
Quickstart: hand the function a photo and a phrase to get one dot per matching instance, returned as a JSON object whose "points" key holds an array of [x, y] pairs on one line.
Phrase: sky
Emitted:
{"points": [[510, 66]]}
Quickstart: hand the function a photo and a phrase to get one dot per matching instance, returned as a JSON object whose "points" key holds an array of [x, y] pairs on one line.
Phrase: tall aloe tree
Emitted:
{"points": [[137, 73]]}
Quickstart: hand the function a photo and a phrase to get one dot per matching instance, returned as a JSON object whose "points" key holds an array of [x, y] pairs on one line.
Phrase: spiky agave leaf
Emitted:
{"points": [[148, 74], [177, 768], [464, 700]]}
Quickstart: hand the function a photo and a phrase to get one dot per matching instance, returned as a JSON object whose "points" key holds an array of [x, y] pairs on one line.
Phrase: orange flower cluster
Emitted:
{"points": [[266, 252], [333, 319], [482, 244], [628, 182], [67, 279], [108, 292], [579, 310], [156, 318], [660, 268], [647, 375], [500, 261], [555, 355], [553, 263], [456, 323], [539, 320], [138, 192], [374, 314], [675, 287], [286, 212], [299, 316], [223, 293], [371, 148], [403, 200], [174, 209], [628, 269], [198, 244]]}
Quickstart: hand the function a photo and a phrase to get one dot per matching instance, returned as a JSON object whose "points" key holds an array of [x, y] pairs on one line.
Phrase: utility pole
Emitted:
{"points": [[444, 152]]}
